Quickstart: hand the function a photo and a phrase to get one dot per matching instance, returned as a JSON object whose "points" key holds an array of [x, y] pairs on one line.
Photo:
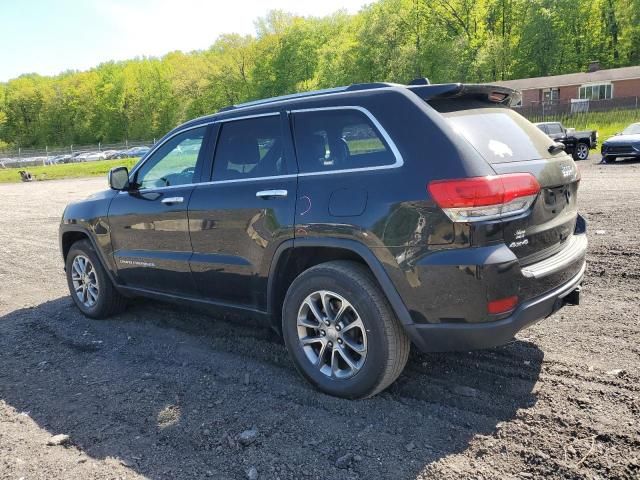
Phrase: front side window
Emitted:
{"points": [[249, 148], [174, 163], [338, 139]]}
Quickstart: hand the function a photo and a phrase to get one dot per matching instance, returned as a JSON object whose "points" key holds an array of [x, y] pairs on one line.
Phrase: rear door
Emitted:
{"points": [[239, 218], [511, 144], [149, 227]]}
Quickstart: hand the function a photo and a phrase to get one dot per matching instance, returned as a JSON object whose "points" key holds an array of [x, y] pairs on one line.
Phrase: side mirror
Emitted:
{"points": [[118, 178]]}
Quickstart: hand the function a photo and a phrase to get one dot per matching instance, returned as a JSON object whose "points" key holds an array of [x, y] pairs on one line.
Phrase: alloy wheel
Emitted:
{"points": [[85, 281], [582, 151], [332, 335]]}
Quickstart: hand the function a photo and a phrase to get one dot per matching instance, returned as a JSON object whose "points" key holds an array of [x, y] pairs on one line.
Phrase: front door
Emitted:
{"points": [[149, 225], [239, 218]]}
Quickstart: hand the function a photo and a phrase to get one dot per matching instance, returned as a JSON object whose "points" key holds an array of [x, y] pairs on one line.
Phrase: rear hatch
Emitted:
{"points": [[511, 144]]}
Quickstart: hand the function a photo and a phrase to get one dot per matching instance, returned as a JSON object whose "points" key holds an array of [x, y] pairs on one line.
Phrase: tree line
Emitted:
{"points": [[389, 40]]}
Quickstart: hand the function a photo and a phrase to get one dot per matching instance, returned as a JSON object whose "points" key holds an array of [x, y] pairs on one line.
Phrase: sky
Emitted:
{"points": [[49, 37]]}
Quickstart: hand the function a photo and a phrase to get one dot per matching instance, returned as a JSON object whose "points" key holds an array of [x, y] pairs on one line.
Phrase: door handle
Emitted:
{"points": [[271, 194], [170, 200]]}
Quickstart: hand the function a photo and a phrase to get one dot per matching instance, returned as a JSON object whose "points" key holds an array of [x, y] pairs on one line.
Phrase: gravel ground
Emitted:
{"points": [[162, 393]]}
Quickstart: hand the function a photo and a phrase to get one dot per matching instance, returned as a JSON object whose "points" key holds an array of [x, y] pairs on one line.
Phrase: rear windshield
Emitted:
{"points": [[500, 135]]}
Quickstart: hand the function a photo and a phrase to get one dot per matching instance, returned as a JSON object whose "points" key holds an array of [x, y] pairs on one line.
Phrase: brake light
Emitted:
{"points": [[485, 198], [502, 305]]}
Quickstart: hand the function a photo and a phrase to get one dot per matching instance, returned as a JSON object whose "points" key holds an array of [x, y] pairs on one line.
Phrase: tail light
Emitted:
{"points": [[485, 198]]}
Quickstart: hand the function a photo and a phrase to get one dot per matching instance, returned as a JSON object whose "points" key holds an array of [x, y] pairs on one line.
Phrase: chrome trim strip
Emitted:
{"points": [[235, 180], [394, 149], [396, 153], [245, 117], [576, 247]]}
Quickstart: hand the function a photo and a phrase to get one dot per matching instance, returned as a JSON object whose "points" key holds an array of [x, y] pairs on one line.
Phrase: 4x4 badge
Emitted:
{"points": [[519, 239], [567, 171]]}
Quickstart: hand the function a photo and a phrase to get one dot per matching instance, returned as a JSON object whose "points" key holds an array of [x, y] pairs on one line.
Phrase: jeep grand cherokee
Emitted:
{"points": [[358, 221]]}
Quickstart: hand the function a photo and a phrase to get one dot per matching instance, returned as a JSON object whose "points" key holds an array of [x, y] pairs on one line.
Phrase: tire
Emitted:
{"points": [[348, 285], [609, 159], [581, 152], [103, 300]]}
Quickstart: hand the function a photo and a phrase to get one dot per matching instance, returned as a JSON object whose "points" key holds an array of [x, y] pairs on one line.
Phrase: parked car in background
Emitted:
{"points": [[355, 221], [576, 144], [110, 154], [65, 158], [133, 152], [95, 156], [623, 144], [78, 157]]}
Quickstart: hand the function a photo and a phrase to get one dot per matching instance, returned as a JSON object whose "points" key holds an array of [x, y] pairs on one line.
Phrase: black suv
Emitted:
{"points": [[356, 220]]}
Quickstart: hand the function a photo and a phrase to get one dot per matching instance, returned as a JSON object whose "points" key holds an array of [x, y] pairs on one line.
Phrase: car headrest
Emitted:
{"points": [[313, 146], [241, 151]]}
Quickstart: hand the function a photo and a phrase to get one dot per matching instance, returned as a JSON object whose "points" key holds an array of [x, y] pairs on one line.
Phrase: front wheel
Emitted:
{"points": [[341, 332], [581, 152], [89, 285]]}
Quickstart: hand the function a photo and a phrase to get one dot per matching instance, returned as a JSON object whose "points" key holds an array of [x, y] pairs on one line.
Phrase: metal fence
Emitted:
{"points": [[28, 157], [581, 110]]}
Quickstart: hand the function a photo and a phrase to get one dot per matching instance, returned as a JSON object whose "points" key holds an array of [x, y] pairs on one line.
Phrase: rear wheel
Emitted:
{"points": [[581, 151], [609, 159], [89, 285], [341, 332]]}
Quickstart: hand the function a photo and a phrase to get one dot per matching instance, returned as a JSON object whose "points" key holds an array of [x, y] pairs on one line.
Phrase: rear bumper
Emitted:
{"points": [[442, 337]]}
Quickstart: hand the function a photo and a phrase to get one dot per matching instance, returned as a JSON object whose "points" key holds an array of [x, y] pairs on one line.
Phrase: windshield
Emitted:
{"points": [[501, 135], [633, 129]]}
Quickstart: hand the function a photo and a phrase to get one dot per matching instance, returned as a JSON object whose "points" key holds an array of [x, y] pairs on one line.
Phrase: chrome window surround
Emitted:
{"points": [[396, 153], [398, 163]]}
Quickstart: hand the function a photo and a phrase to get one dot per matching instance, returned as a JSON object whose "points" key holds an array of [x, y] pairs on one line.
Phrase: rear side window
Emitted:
{"points": [[500, 135], [249, 148], [338, 139]]}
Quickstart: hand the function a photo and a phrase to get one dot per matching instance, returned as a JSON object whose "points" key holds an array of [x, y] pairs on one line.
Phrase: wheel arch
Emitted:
{"points": [[68, 238], [71, 235], [295, 256]]}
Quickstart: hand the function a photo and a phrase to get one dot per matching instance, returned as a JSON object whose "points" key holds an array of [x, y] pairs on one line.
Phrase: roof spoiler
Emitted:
{"points": [[487, 93]]}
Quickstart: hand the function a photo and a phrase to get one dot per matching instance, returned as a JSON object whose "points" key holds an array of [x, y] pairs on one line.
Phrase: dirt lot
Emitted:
{"points": [[163, 393]]}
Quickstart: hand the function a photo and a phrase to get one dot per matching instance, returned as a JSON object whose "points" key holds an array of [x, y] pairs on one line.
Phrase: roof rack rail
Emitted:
{"points": [[420, 81], [351, 88], [290, 96], [370, 86]]}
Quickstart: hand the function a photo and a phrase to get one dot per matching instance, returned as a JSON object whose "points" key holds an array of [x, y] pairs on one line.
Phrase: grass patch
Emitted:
{"points": [[66, 170]]}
